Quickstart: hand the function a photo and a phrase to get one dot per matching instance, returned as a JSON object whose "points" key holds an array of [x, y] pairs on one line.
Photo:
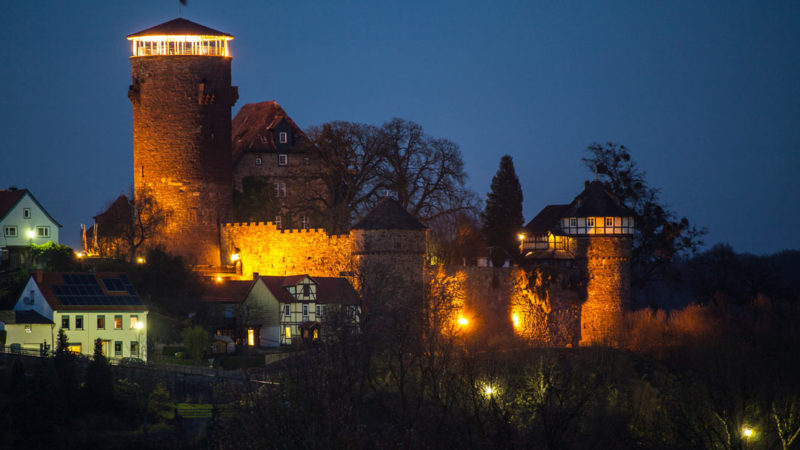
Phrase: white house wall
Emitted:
{"points": [[38, 218], [38, 303]]}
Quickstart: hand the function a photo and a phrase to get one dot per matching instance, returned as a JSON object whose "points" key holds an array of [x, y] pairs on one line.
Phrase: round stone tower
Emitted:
{"points": [[182, 97], [388, 251]]}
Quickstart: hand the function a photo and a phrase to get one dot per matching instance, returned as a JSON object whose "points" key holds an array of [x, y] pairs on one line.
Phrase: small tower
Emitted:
{"points": [[388, 251], [182, 97], [595, 234]]}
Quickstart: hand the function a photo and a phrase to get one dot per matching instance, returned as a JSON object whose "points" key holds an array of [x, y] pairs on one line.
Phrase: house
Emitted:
{"points": [[270, 311], [23, 221], [268, 143], [87, 306]]}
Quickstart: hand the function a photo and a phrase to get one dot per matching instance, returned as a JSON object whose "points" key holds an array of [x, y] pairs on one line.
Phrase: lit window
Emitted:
{"points": [[258, 160], [251, 337], [74, 348], [278, 224], [134, 320], [283, 137], [26, 213], [117, 348], [573, 222], [101, 322], [590, 222], [10, 231], [609, 221], [42, 231], [78, 322], [305, 311], [117, 322], [286, 310], [283, 159], [288, 332], [316, 334], [65, 322]]}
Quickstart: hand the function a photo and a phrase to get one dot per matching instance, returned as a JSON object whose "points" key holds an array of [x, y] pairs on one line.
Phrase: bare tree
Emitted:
{"points": [[128, 223]]}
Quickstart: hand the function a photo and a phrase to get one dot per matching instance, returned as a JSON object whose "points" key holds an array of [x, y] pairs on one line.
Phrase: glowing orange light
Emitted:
{"points": [[140, 260], [235, 257], [79, 255], [747, 432], [462, 321], [521, 236], [515, 320]]}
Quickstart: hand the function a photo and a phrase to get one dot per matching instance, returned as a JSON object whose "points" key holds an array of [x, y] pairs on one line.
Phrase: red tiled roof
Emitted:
{"points": [[252, 125], [179, 27], [330, 290], [229, 291], [10, 197]]}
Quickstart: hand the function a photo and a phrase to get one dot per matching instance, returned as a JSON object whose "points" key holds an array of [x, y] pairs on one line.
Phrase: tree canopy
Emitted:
{"points": [[502, 217], [660, 234]]}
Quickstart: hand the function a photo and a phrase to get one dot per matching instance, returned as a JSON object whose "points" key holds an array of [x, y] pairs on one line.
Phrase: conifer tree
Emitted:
{"points": [[502, 218]]}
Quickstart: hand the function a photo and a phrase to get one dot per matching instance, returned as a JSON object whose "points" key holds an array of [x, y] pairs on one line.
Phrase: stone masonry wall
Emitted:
{"points": [[182, 147], [269, 251], [608, 270]]}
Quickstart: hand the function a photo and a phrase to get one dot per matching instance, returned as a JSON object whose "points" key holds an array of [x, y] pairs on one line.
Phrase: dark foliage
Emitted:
{"points": [[660, 236], [502, 217], [256, 202], [98, 392]]}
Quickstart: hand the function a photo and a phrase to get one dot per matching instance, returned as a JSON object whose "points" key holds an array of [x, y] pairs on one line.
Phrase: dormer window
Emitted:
{"points": [[258, 161], [283, 137], [283, 159], [263, 139]]}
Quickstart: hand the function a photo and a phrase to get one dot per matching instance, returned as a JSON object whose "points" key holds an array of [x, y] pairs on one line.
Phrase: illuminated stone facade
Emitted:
{"points": [[264, 249], [182, 142]]}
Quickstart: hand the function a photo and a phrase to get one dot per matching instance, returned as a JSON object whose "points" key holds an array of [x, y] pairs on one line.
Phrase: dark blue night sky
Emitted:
{"points": [[707, 96]]}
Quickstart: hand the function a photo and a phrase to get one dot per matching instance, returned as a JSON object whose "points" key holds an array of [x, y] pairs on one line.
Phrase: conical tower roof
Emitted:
{"points": [[179, 27], [388, 214]]}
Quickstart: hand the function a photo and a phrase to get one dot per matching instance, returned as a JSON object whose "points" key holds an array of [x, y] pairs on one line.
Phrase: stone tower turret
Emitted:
{"points": [[388, 252], [593, 235], [182, 97]]}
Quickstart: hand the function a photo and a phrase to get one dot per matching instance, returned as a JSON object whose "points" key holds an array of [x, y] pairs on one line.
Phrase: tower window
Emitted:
{"points": [[258, 160], [304, 222], [278, 222], [283, 137], [283, 159]]}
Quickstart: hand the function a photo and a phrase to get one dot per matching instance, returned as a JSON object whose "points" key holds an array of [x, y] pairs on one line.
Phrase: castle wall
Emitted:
{"points": [[608, 269], [269, 251], [182, 147]]}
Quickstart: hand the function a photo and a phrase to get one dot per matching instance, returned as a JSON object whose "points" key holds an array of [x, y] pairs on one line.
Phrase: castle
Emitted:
{"points": [[189, 155]]}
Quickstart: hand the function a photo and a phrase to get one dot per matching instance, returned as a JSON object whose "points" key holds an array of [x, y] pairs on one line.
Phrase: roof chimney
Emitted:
{"points": [[586, 184], [38, 275]]}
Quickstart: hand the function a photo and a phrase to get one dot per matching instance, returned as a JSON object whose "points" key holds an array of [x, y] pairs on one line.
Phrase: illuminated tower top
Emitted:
{"points": [[180, 37]]}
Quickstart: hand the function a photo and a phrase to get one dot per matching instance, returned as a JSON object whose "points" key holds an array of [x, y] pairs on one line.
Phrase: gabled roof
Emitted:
{"points": [[330, 290], [26, 317], [252, 126], [179, 27], [229, 291], [117, 215], [388, 214], [547, 220], [594, 201], [87, 291], [10, 197]]}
